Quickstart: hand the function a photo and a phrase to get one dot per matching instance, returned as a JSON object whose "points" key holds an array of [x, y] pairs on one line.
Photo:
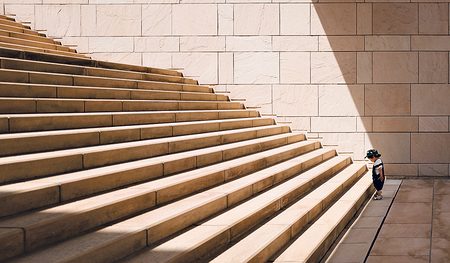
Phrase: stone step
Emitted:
{"points": [[219, 231], [59, 121], [81, 61], [19, 76], [46, 226], [29, 166], [23, 48], [19, 30], [33, 142], [157, 224], [38, 66], [19, 90], [31, 105], [32, 194], [9, 22], [33, 43], [21, 35], [262, 243], [312, 245]]}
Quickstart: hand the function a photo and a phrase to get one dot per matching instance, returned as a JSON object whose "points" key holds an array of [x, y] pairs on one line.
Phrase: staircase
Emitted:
{"points": [[103, 162]]}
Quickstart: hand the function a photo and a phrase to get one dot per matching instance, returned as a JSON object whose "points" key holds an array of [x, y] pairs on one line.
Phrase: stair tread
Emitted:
{"points": [[59, 215], [250, 247], [322, 228]]}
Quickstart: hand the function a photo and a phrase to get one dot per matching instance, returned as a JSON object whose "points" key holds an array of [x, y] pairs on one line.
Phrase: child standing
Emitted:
{"points": [[377, 172]]}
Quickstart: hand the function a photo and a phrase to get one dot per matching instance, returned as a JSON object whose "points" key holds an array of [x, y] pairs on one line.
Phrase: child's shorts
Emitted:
{"points": [[378, 184]]}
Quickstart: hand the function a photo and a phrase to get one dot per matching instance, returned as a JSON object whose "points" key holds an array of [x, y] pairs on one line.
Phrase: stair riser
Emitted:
{"points": [[64, 191], [49, 142], [76, 121]]}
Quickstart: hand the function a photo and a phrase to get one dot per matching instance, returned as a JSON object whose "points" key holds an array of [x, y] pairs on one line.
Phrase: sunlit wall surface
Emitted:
{"points": [[359, 74]]}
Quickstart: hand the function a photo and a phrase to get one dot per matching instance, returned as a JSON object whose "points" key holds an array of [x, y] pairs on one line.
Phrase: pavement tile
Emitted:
{"points": [[442, 187], [346, 253], [413, 213], [440, 250], [441, 203], [368, 222], [355, 236], [397, 259], [405, 230], [395, 246], [441, 224], [414, 195]]}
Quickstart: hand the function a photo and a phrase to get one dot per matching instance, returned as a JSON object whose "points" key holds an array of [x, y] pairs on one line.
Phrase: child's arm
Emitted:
{"points": [[381, 174]]}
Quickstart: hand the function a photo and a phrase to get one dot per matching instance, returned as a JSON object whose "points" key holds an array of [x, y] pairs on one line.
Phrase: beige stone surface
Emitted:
{"points": [[257, 96], [341, 43], [364, 18], [127, 58], [433, 67], [157, 44], [430, 99], [226, 68], [333, 19], [256, 68], [433, 124], [248, 43], [395, 67], [329, 67], [156, 20], [225, 19], [387, 100], [111, 44], [295, 67], [211, 44], [347, 142], [295, 100], [394, 147], [433, 18], [256, 19], [395, 18], [430, 148], [118, 20], [364, 71], [387, 43], [349, 103], [430, 43], [295, 43], [395, 124], [58, 20], [364, 124], [200, 66], [333, 124], [24, 13], [194, 19], [162, 60], [295, 19]]}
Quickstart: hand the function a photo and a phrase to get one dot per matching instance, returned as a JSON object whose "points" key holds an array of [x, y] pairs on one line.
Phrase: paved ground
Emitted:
{"points": [[411, 224]]}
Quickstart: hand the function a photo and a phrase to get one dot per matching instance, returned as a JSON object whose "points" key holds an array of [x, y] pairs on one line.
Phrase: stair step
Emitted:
{"points": [[46, 226], [19, 76], [19, 90], [21, 35], [31, 105], [13, 23], [259, 245], [80, 60], [162, 221], [38, 66], [18, 30], [28, 195], [53, 121], [50, 163], [230, 225], [33, 43], [312, 245], [24, 48], [32, 142]]}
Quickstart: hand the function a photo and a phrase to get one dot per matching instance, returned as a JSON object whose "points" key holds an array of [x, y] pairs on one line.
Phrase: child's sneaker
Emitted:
{"points": [[378, 197]]}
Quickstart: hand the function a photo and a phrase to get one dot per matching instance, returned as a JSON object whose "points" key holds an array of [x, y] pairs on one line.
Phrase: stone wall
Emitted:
{"points": [[361, 74]]}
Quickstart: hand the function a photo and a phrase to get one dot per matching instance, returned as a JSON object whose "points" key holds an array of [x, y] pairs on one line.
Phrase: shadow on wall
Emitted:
{"points": [[391, 64]]}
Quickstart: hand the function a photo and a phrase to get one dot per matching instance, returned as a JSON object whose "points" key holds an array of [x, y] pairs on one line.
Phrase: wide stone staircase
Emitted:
{"points": [[104, 162]]}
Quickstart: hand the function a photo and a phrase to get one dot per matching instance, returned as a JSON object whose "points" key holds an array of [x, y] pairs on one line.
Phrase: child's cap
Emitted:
{"points": [[371, 153]]}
